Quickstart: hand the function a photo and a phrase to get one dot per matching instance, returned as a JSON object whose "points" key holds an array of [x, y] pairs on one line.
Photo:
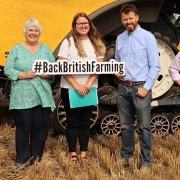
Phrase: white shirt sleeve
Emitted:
{"points": [[64, 49]]}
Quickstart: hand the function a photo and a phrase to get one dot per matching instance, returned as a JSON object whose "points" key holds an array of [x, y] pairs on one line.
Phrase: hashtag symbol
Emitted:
{"points": [[38, 66]]}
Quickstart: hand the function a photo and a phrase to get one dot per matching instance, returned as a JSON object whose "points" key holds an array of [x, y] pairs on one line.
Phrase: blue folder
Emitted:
{"points": [[76, 100]]}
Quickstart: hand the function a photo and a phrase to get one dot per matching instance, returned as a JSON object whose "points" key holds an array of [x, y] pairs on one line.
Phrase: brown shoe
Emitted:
{"points": [[83, 155], [72, 155], [144, 166], [74, 158], [145, 169], [20, 166]]}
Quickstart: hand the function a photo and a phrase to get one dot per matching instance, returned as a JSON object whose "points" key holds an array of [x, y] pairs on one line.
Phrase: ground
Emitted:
{"points": [[103, 162]]}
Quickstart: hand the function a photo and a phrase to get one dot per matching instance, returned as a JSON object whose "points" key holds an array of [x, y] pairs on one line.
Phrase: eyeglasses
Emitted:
{"points": [[82, 24]]}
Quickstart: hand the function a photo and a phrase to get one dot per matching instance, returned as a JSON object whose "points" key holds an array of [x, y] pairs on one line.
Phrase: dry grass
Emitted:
{"points": [[103, 162]]}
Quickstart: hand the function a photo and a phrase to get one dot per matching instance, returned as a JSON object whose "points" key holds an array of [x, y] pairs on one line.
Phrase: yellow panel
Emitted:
{"points": [[178, 47], [54, 15]]}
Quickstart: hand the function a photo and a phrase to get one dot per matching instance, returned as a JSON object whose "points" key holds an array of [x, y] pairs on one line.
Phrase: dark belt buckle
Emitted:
{"points": [[129, 83]]}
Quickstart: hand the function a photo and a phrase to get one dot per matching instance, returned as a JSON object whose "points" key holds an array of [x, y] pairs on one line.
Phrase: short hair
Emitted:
{"points": [[126, 8], [31, 22]]}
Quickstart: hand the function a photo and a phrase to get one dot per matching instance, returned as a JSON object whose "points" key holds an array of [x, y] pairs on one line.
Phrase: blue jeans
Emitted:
{"points": [[129, 105]]}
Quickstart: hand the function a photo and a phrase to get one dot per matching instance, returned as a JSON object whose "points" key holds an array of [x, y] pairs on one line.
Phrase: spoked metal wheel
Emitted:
{"points": [[94, 116], [160, 125], [110, 125], [61, 115], [175, 124], [136, 126]]}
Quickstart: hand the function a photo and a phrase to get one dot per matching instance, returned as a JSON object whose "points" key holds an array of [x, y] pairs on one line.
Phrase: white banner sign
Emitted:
{"points": [[78, 67]]}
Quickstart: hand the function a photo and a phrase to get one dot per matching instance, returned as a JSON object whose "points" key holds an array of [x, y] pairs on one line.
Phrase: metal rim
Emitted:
{"points": [[175, 124], [110, 125], [94, 116], [136, 126], [160, 125], [61, 115]]}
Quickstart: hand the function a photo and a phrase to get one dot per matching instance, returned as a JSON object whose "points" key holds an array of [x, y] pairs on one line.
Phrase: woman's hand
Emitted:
{"points": [[27, 75], [90, 81], [30, 75], [178, 82], [88, 85], [45, 76], [82, 90]]}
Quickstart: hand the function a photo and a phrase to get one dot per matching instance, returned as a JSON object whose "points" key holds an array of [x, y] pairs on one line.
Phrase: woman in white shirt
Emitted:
{"points": [[83, 44]]}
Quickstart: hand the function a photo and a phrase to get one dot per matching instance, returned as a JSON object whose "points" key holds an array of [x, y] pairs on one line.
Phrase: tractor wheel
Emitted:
{"points": [[60, 121], [110, 125], [175, 123], [160, 124]]}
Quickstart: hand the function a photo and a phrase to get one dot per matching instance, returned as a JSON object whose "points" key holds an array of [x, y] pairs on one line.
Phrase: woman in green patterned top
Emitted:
{"points": [[31, 97]]}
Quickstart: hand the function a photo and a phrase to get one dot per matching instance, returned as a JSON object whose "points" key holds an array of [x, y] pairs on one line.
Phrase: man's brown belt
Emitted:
{"points": [[131, 83]]}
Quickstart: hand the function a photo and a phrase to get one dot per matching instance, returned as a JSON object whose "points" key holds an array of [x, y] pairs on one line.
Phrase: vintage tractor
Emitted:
{"points": [[161, 17]]}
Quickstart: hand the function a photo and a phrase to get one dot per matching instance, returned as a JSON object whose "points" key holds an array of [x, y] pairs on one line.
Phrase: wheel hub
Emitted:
{"points": [[111, 125], [159, 125]]}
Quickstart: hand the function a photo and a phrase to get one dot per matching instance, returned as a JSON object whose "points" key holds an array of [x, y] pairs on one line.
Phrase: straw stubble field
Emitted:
{"points": [[103, 162]]}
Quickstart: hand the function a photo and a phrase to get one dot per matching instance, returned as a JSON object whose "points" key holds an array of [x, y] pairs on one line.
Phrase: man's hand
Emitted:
{"points": [[142, 92], [119, 76]]}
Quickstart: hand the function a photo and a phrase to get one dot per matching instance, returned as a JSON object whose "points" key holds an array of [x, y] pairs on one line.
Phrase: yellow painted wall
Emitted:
{"points": [[54, 15]]}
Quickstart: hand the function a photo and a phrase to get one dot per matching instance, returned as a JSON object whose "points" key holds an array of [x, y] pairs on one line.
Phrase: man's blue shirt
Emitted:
{"points": [[140, 53]]}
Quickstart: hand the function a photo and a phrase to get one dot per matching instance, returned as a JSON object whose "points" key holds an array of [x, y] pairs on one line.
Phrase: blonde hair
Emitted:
{"points": [[31, 22], [97, 43]]}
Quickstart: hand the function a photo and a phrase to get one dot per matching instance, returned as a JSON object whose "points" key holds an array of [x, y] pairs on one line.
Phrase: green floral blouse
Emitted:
{"points": [[28, 93]]}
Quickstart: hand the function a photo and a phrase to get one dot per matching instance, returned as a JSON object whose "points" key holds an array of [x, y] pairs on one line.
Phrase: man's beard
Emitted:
{"points": [[130, 28]]}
